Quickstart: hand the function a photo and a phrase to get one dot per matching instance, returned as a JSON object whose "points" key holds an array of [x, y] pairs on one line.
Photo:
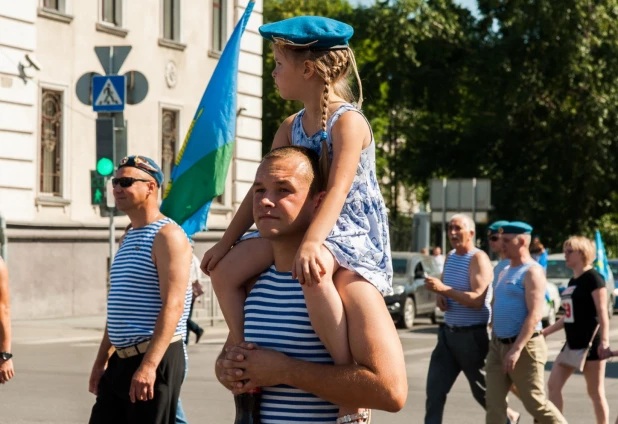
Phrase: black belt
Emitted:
{"points": [[464, 329], [511, 340]]}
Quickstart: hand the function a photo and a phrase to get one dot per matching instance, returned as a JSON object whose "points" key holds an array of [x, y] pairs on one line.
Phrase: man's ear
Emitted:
{"points": [[308, 69], [319, 198]]}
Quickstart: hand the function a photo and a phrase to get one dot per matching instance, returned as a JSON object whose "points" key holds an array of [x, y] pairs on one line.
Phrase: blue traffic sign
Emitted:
{"points": [[109, 93]]}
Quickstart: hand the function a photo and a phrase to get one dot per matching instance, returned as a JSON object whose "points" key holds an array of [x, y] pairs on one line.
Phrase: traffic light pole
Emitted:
{"points": [[112, 242]]}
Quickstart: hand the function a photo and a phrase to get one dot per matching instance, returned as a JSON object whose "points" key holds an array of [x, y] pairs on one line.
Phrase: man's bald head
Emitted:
{"points": [[309, 170]]}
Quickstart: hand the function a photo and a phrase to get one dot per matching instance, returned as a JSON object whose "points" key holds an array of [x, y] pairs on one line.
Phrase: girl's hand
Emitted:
{"points": [[213, 256], [308, 266], [604, 351]]}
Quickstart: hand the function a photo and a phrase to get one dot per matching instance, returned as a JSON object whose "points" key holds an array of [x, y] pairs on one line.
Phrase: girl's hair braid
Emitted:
{"points": [[324, 156]]}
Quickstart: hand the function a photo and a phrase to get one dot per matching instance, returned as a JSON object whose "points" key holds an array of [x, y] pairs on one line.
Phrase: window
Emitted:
{"points": [[57, 5], [51, 142], [111, 12], [171, 20], [169, 141], [218, 25]]}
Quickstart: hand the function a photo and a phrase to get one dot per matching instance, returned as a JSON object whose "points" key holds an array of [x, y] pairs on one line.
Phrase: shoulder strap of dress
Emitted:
{"points": [[347, 107]]}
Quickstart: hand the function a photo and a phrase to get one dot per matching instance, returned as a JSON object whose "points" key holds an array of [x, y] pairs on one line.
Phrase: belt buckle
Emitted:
{"points": [[131, 351]]}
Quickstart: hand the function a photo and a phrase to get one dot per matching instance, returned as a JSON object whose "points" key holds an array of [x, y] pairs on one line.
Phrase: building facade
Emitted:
{"points": [[58, 249]]}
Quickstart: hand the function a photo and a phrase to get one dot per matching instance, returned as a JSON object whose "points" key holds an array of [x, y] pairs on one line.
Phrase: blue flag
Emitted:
{"points": [[200, 170], [600, 263]]}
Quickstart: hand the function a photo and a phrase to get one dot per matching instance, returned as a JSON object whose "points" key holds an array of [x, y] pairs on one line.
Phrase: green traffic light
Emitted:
{"points": [[105, 166]]}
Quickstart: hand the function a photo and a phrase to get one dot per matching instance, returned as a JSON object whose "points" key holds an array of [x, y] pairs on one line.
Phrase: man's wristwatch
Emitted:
{"points": [[6, 355]]}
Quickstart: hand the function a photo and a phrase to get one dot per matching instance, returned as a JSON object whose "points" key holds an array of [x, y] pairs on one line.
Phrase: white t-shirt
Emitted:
{"points": [[439, 262], [195, 269]]}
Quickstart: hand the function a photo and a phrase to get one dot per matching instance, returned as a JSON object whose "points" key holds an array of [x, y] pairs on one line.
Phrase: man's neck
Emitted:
{"points": [[522, 258], [466, 248], [144, 216], [284, 252]]}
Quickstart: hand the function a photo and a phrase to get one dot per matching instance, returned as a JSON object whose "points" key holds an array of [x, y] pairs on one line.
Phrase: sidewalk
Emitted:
{"points": [[88, 329]]}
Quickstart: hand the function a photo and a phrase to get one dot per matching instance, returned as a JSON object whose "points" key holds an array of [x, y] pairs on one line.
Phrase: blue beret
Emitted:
{"points": [[308, 32], [493, 228], [516, 227], [145, 164]]}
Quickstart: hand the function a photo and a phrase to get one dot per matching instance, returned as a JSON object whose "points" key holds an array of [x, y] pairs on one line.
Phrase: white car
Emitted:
{"points": [[550, 309]]}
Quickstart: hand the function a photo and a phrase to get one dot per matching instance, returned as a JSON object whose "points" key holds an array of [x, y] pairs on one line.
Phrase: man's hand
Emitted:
{"points": [[308, 267], [95, 376], [435, 285], [510, 360], [259, 367], [441, 303], [6, 370], [142, 384]]}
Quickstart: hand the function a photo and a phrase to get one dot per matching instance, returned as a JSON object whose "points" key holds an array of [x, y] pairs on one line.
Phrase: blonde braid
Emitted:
{"points": [[324, 156]]}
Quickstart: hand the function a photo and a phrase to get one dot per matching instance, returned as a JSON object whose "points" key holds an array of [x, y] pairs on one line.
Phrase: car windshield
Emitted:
{"points": [[400, 267], [558, 269], [614, 267]]}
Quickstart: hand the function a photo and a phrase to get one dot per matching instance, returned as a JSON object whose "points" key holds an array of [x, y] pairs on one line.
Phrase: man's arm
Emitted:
{"points": [[481, 274], [6, 367], [534, 287], [377, 380], [100, 363], [172, 257]]}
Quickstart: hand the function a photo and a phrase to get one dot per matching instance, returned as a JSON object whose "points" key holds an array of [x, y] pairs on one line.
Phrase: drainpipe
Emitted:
{"points": [[4, 246]]}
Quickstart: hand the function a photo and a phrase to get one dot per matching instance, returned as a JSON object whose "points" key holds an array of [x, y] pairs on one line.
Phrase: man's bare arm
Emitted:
{"points": [[172, 256], [100, 363], [481, 275], [534, 285], [5, 309], [377, 380]]}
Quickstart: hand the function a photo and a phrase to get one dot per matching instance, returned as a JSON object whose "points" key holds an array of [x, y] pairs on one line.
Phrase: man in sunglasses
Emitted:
{"points": [[141, 361], [493, 236]]}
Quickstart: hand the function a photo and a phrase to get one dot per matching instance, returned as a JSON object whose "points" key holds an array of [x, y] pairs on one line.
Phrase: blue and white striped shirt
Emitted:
{"points": [[498, 269], [134, 300], [510, 309], [276, 317], [457, 276]]}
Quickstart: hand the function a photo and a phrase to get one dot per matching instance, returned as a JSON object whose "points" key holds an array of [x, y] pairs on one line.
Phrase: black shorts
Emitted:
{"points": [[593, 353]]}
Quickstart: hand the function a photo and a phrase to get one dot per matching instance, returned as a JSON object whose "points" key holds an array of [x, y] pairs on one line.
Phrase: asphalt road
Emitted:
{"points": [[53, 360]]}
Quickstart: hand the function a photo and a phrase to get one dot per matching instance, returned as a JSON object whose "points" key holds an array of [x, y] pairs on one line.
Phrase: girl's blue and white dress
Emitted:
{"points": [[360, 239]]}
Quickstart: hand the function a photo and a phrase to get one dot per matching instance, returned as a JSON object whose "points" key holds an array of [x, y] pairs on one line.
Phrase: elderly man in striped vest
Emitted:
{"points": [[464, 294], [517, 352], [140, 365]]}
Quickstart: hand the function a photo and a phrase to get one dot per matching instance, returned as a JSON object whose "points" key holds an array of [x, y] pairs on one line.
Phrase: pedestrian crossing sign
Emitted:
{"points": [[109, 93]]}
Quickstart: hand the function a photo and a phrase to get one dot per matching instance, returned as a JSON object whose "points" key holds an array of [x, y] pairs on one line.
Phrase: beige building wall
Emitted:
{"points": [[58, 248]]}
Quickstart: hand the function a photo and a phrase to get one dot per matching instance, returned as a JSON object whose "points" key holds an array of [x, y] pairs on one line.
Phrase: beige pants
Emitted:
{"points": [[528, 377]]}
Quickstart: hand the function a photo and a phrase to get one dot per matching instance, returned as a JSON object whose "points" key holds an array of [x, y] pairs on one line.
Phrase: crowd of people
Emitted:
{"points": [[316, 271]]}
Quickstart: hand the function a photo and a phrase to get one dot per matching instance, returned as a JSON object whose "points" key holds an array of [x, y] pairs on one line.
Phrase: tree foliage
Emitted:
{"points": [[525, 94]]}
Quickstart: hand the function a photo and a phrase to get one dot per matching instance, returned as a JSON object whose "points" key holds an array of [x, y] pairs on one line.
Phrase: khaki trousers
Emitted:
{"points": [[529, 378]]}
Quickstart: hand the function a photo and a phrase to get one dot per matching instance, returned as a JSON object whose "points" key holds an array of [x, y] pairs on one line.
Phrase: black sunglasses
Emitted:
{"points": [[494, 238], [127, 181]]}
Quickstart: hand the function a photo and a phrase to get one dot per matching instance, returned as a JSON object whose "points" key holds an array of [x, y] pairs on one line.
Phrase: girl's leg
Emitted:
{"points": [[557, 379], [594, 373], [246, 260], [328, 316]]}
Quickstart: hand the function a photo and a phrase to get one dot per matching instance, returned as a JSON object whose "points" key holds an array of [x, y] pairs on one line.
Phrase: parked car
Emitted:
{"points": [[410, 299], [559, 274], [613, 265], [550, 309]]}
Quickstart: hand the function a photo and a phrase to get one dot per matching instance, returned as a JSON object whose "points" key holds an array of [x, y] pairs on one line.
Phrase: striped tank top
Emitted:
{"points": [[498, 270], [134, 299], [276, 317], [510, 308], [457, 276]]}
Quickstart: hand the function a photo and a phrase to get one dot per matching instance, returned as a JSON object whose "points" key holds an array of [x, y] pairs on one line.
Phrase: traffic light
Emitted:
{"points": [[97, 189], [105, 146]]}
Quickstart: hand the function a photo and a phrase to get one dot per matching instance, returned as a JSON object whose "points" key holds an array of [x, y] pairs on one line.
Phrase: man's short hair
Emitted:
{"points": [[469, 223], [315, 180]]}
